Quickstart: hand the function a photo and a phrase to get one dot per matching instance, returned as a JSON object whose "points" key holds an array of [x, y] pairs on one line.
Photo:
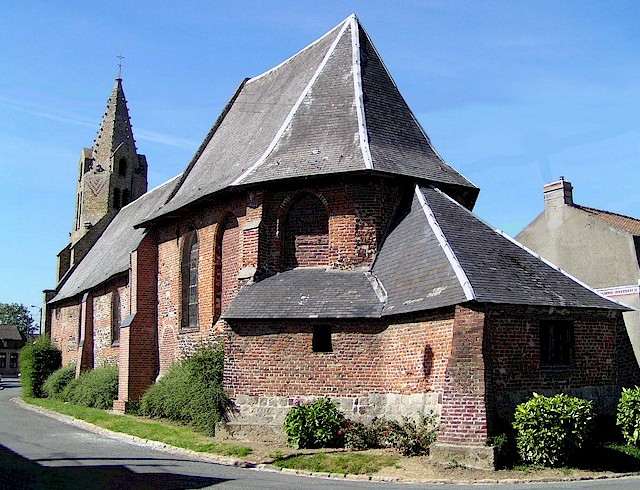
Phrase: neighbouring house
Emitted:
{"points": [[321, 239], [598, 247], [11, 341]]}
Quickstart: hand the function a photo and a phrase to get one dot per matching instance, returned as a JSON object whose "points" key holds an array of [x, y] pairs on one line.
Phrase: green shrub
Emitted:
{"points": [[312, 425], [629, 415], [361, 436], [191, 392], [551, 430], [58, 381], [411, 437], [97, 388], [37, 361]]}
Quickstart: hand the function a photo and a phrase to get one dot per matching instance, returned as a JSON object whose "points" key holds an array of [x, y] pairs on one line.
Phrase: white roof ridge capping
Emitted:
{"points": [[531, 252], [554, 266], [446, 247], [295, 107], [359, 95]]}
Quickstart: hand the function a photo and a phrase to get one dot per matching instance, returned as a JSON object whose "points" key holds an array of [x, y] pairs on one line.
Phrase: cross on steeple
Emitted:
{"points": [[120, 58]]}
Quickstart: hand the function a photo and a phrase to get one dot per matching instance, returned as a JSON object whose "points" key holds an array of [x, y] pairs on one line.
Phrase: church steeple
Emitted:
{"points": [[112, 173]]}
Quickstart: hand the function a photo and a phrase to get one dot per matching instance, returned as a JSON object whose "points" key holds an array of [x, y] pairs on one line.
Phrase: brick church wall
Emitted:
{"points": [[105, 351], [512, 347], [65, 329], [376, 368]]}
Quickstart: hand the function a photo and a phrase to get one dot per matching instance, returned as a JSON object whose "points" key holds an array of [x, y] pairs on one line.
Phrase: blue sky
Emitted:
{"points": [[513, 94]]}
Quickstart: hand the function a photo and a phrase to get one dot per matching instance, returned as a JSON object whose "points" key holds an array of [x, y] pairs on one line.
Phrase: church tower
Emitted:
{"points": [[112, 173]]}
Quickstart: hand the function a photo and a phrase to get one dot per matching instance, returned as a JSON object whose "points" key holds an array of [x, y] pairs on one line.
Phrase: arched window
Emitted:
{"points": [[305, 236], [116, 198], [125, 197], [116, 316], [190, 253], [122, 167], [227, 263]]}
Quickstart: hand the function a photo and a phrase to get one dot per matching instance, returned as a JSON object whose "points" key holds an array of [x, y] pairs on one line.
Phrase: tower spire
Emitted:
{"points": [[112, 173], [120, 58]]}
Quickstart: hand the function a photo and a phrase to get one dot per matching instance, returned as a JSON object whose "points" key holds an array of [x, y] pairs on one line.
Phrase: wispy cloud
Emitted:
{"points": [[164, 139], [140, 133]]}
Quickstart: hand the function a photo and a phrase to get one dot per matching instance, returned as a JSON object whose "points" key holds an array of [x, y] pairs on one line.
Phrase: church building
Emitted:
{"points": [[319, 236]]}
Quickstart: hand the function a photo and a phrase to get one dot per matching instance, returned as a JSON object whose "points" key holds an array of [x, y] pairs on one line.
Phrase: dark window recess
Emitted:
{"points": [[190, 282], [13, 360], [556, 342], [125, 197], [3, 360], [322, 339], [116, 198], [116, 317], [122, 167]]}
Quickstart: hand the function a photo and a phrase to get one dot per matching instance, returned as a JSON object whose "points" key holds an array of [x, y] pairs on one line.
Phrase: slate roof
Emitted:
{"points": [[331, 108], [498, 269], [437, 254], [627, 223], [10, 332], [110, 254], [308, 293]]}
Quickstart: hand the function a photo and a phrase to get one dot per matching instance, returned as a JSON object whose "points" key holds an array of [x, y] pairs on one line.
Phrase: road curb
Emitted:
{"points": [[211, 458]]}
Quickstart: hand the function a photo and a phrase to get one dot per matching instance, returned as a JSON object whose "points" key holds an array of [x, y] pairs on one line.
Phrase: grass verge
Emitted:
{"points": [[340, 463], [174, 435]]}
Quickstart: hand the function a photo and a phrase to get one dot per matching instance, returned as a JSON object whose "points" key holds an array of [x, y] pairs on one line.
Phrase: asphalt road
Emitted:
{"points": [[37, 452]]}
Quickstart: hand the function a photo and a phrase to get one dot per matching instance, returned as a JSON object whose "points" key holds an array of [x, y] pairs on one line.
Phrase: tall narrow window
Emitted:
{"points": [[227, 263], [125, 197], [556, 342], [116, 198], [306, 234], [122, 167], [13, 360], [3, 359], [190, 281], [116, 316]]}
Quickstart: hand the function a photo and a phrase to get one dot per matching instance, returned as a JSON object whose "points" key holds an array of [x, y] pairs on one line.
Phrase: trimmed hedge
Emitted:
{"points": [[58, 381], [551, 430], [191, 391], [37, 361], [96, 388], [629, 415]]}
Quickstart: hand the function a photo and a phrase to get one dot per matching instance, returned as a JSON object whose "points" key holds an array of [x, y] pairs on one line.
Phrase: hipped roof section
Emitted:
{"points": [[331, 108], [110, 255], [436, 254]]}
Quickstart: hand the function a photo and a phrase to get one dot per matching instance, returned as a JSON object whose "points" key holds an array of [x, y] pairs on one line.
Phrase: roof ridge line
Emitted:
{"points": [[554, 266], [257, 77], [413, 116], [208, 137], [604, 211], [461, 275], [294, 109], [359, 94]]}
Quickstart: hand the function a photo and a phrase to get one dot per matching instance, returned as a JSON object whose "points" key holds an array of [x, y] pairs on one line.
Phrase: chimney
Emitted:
{"points": [[558, 193]]}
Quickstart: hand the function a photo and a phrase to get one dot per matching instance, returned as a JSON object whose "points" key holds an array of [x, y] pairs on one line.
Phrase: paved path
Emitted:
{"points": [[37, 452]]}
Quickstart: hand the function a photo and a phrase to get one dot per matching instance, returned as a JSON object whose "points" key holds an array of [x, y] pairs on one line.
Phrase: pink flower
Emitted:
{"points": [[296, 401], [340, 432]]}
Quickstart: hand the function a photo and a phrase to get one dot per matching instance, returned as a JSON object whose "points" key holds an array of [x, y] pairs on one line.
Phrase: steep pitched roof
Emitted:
{"points": [[331, 108], [627, 223], [110, 254]]}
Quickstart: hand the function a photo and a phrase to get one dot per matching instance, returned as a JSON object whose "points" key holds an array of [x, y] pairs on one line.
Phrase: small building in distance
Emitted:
{"points": [[11, 341], [598, 247]]}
